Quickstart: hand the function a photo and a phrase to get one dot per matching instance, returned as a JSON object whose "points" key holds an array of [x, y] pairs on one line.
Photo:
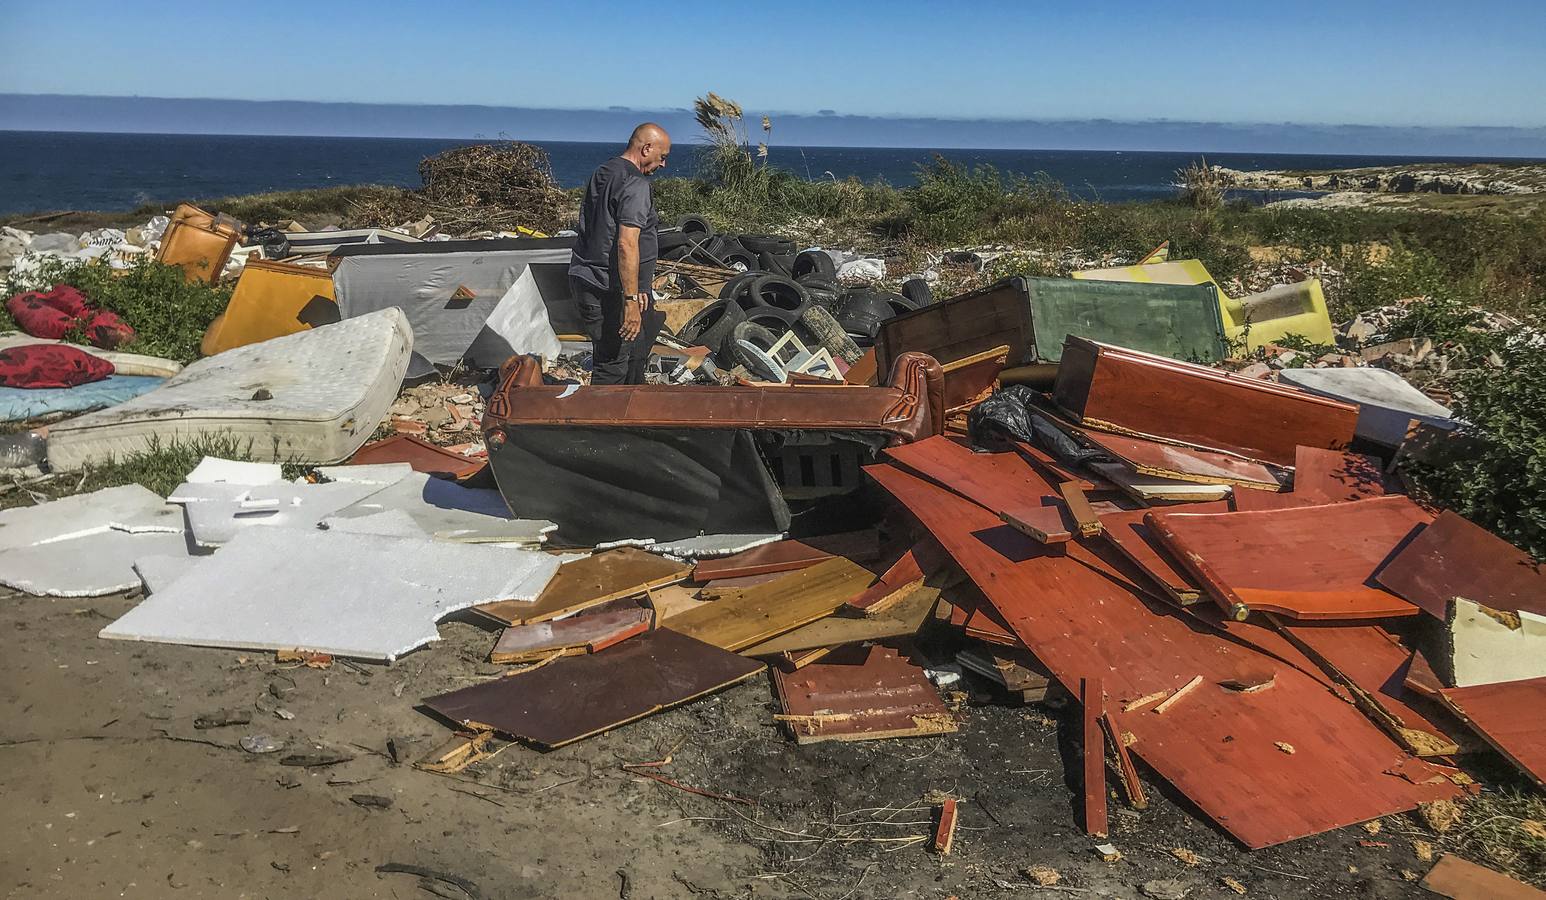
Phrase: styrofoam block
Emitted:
{"points": [[92, 565], [706, 546], [1386, 401], [1487, 647], [158, 571], [379, 473], [359, 595], [440, 507], [393, 522], [213, 469], [216, 521], [130, 508]]}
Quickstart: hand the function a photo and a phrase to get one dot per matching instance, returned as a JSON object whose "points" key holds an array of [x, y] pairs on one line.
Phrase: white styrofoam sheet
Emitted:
{"points": [[156, 571], [358, 595], [214, 470], [129, 508], [92, 565], [393, 522], [216, 521], [447, 509], [327, 388]]}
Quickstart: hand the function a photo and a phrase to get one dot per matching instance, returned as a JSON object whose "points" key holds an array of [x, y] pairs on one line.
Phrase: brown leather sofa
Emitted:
{"points": [[669, 462]]}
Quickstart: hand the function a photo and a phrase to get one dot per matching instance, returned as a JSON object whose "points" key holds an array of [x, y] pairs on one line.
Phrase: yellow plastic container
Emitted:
{"points": [[1257, 319], [271, 300]]}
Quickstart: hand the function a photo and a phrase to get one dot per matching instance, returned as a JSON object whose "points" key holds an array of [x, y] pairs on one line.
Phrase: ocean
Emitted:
{"points": [[47, 171]]}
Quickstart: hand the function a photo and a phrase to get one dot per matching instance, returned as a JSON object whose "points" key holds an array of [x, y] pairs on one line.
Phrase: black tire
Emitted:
{"points": [[814, 263], [712, 326], [767, 243], [737, 286], [697, 226], [862, 312], [824, 294], [742, 260], [898, 304], [782, 294], [758, 336], [824, 330], [775, 320], [775, 264], [964, 258], [917, 290]]}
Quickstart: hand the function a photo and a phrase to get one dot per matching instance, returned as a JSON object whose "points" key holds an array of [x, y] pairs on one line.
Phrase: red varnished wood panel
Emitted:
{"points": [[1128, 532], [1455, 558], [1312, 562], [1335, 476], [1001, 482], [1507, 716], [1218, 746], [1164, 398]]}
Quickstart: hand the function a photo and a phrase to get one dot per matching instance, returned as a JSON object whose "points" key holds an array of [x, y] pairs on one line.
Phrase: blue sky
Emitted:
{"points": [[1378, 63]]}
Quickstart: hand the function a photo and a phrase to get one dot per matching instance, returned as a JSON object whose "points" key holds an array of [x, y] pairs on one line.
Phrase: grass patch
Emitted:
{"points": [[168, 313], [1504, 830]]}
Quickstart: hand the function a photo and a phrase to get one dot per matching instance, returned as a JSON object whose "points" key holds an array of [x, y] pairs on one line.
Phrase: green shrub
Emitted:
{"points": [[168, 313], [1493, 470]]}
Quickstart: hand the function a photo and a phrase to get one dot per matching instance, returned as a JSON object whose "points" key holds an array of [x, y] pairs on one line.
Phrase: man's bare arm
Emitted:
{"points": [[628, 259], [628, 272]]}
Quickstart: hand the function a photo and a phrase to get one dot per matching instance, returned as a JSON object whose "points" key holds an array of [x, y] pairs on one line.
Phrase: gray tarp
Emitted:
{"points": [[482, 306]]}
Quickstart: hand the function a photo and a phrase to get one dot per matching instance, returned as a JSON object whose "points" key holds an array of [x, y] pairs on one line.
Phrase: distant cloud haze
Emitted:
{"points": [[65, 112]]}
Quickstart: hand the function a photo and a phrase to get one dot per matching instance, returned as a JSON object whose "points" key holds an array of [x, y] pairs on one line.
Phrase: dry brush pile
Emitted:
{"points": [[482, 187]]}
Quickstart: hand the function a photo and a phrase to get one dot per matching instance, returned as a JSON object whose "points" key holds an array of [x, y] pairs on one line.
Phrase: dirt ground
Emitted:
{"points": [[112, 792]]}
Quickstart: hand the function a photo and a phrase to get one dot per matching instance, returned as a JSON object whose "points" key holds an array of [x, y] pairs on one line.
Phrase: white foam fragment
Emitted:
{"points": [[129, 508], [158, 571], [216, 521], [92, 565], [379, 473], [213, 469], [393, 522], [358, 595], [706, 546], [440, 506]]}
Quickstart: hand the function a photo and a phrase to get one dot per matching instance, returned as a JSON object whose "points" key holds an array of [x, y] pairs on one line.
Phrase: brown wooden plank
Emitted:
{"points": [[858, 694], [1219, 747], [1151, 396], [923, 560], [1130, 535], [1001, 482], [1055, 472], [864, 372], [768, 610], [1460, 879], [1368, 661], [1336, 476], [1162, 460], [1312, 562], [1079, 508], [962, 326], [1455, 558], [578, 696], [1016, 670], [1131, 784], [1093, 702], [596, 579], [945, 830], [525, 643], [779, 556], [971, 380], [1507, 715], [902, 619]]}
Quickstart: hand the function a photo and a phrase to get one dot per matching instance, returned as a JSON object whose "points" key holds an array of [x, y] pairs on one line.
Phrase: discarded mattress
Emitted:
{"points": [[1386, 402], [315, 396], [358, 595], [478, 305], [17, 404], [1255, 319], [271, 300]]}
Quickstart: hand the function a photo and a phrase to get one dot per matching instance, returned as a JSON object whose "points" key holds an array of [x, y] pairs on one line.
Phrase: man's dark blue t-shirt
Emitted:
{"points": [[617, 194]]}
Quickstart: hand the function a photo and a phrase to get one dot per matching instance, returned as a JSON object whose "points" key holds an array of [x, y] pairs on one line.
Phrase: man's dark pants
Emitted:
{"points": [[614, 360]]}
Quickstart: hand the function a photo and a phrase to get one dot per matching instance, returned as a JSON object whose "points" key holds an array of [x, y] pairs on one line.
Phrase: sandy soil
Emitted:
{"points": [[112, 792]]}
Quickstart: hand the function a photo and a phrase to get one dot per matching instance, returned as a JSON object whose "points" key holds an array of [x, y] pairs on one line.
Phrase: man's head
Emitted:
{"points": [[648, 147]]}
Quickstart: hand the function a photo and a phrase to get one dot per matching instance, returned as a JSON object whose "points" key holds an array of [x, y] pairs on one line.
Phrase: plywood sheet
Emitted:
{"points": [[579, 696], [525, 643], [768, 610], [587, 582], [1455, 558], [1313, 562], [904, 618], [1183, 463], [788, 556], [1459, 879], [1001, 482], [1219, 747], [1336, 476], [1507, 716], [1130, 535], [859, 694], [1370, 663]]}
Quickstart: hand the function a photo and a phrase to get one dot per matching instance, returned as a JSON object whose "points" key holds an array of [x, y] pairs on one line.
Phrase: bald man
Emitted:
{"points": [[614, 258]]}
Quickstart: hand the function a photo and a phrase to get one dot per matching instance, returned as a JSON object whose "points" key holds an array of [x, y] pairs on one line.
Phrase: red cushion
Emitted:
{"points": [[50, 366]]}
